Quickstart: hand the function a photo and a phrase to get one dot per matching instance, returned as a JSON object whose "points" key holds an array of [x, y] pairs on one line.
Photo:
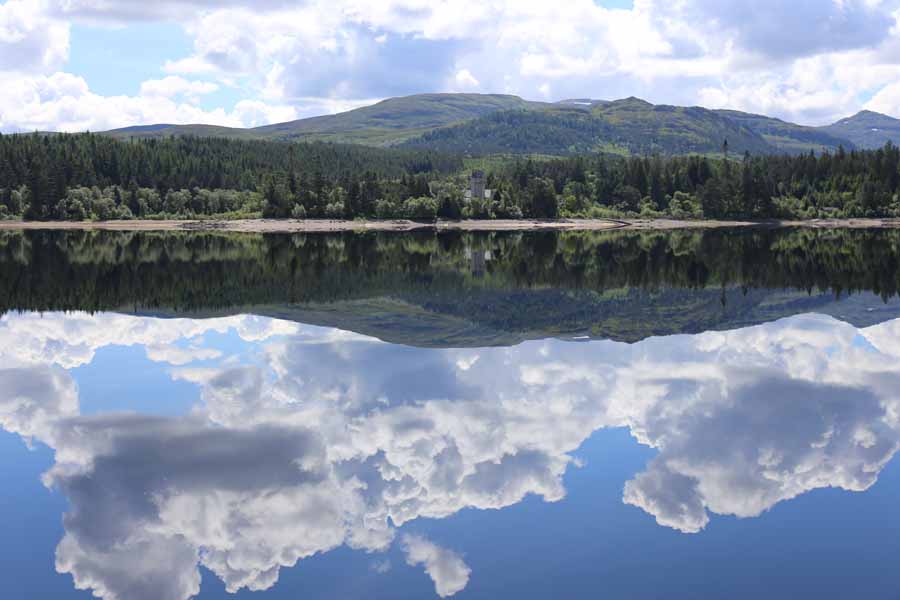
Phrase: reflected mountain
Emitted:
{"points": [[306, 439], [465, 290]]}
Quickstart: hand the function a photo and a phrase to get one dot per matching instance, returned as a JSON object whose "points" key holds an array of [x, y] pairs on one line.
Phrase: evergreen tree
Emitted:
{"points": [[543, 199], [40, 190]]}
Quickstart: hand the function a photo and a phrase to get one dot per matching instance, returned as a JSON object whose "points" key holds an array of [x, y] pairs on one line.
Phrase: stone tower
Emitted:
{"points": [[477, 184]]}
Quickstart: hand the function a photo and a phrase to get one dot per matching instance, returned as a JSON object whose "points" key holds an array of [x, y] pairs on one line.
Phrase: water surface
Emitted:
{"points": [[575, 415]]}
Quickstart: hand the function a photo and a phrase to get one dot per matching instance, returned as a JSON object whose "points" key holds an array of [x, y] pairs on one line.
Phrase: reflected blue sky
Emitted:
{"points": [[245, 454]]}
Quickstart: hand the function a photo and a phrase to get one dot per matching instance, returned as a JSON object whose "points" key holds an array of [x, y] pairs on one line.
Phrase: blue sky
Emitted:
{"points": [[116, 60], [85, 64]]}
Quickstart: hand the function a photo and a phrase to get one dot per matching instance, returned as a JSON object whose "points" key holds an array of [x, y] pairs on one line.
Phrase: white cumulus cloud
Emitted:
{"points": [[812, 61]]}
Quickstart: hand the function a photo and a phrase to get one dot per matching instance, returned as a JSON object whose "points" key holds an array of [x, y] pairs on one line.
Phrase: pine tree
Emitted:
{"points": [[40, 189], [134, 204]]}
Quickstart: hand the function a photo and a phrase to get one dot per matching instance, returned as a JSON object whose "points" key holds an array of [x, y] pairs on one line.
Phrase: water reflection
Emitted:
{"points": [[457, 290], [306, 439]]}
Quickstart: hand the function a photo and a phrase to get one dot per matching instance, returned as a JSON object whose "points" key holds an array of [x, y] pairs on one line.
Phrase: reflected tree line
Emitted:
{"points": [[196, 271]]}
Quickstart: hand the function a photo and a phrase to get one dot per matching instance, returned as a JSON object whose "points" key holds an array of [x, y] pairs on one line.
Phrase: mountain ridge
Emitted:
{"points": [[484, 124], [867, 129]]}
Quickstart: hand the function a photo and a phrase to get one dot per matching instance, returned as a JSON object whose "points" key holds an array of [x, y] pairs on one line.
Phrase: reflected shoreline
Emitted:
{"points": [[404, 225], [464, 289]]}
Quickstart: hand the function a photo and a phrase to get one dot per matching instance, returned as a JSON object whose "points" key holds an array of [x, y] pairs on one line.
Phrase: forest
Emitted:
{"points": [[94, 177]]}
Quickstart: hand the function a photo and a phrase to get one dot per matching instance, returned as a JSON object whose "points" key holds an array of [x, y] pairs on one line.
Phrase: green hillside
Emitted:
{"points": [[627, 126], [646, 128], [867, 130], [394, 120], [166, 130], [484, 124], [551, 132], [788, 137], [386, 123]]}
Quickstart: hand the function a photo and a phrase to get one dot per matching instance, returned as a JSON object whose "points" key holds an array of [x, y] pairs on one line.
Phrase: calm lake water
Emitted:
{"points": [[573, 415]]}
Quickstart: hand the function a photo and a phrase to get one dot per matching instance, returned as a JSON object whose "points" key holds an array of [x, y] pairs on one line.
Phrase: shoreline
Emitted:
{"points": [[336, 226]]}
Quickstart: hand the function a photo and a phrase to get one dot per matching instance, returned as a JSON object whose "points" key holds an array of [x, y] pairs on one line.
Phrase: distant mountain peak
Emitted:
{"points": [[868, 115], [633, 100], [867, 129]]}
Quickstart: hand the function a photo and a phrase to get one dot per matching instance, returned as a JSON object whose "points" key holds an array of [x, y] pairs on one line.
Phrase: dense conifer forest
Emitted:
{"points": [[87, 176]]}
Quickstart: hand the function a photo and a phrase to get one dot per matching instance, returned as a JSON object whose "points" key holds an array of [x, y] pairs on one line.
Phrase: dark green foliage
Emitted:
{"points": [[606, 284], [644, 128], [543, 198], [844, 184], [520, 132], [47, 166], [187, 162], [87, 176], [629, 126]]}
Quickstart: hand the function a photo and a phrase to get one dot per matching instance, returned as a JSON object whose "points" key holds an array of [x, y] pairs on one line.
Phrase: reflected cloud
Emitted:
{"points": [[329, 439], [240, 502], [445, 568], [33, 400], [72, 339]]}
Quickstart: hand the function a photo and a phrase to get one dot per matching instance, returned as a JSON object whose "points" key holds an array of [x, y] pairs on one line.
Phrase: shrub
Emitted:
{"points": [[335, 210], [386, 209], [423, 209]]}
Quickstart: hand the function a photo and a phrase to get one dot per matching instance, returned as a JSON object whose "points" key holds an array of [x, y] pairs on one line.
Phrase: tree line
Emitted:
{"points": [[87, 176], [74, 176]]}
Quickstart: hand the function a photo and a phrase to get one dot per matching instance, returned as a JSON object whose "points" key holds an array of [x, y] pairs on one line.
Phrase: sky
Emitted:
{"points": [[74, 65]]}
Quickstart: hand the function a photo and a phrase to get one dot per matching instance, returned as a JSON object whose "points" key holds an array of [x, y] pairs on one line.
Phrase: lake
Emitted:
{"points": [[678, 414]]}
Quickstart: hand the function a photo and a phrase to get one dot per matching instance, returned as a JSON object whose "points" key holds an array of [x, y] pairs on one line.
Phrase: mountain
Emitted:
{"points": [[396, 119], [558, 131], [168, 130], [867, 130], [788, 137], [496, 123], [642, 127], [386, 123], [579, 126]]}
